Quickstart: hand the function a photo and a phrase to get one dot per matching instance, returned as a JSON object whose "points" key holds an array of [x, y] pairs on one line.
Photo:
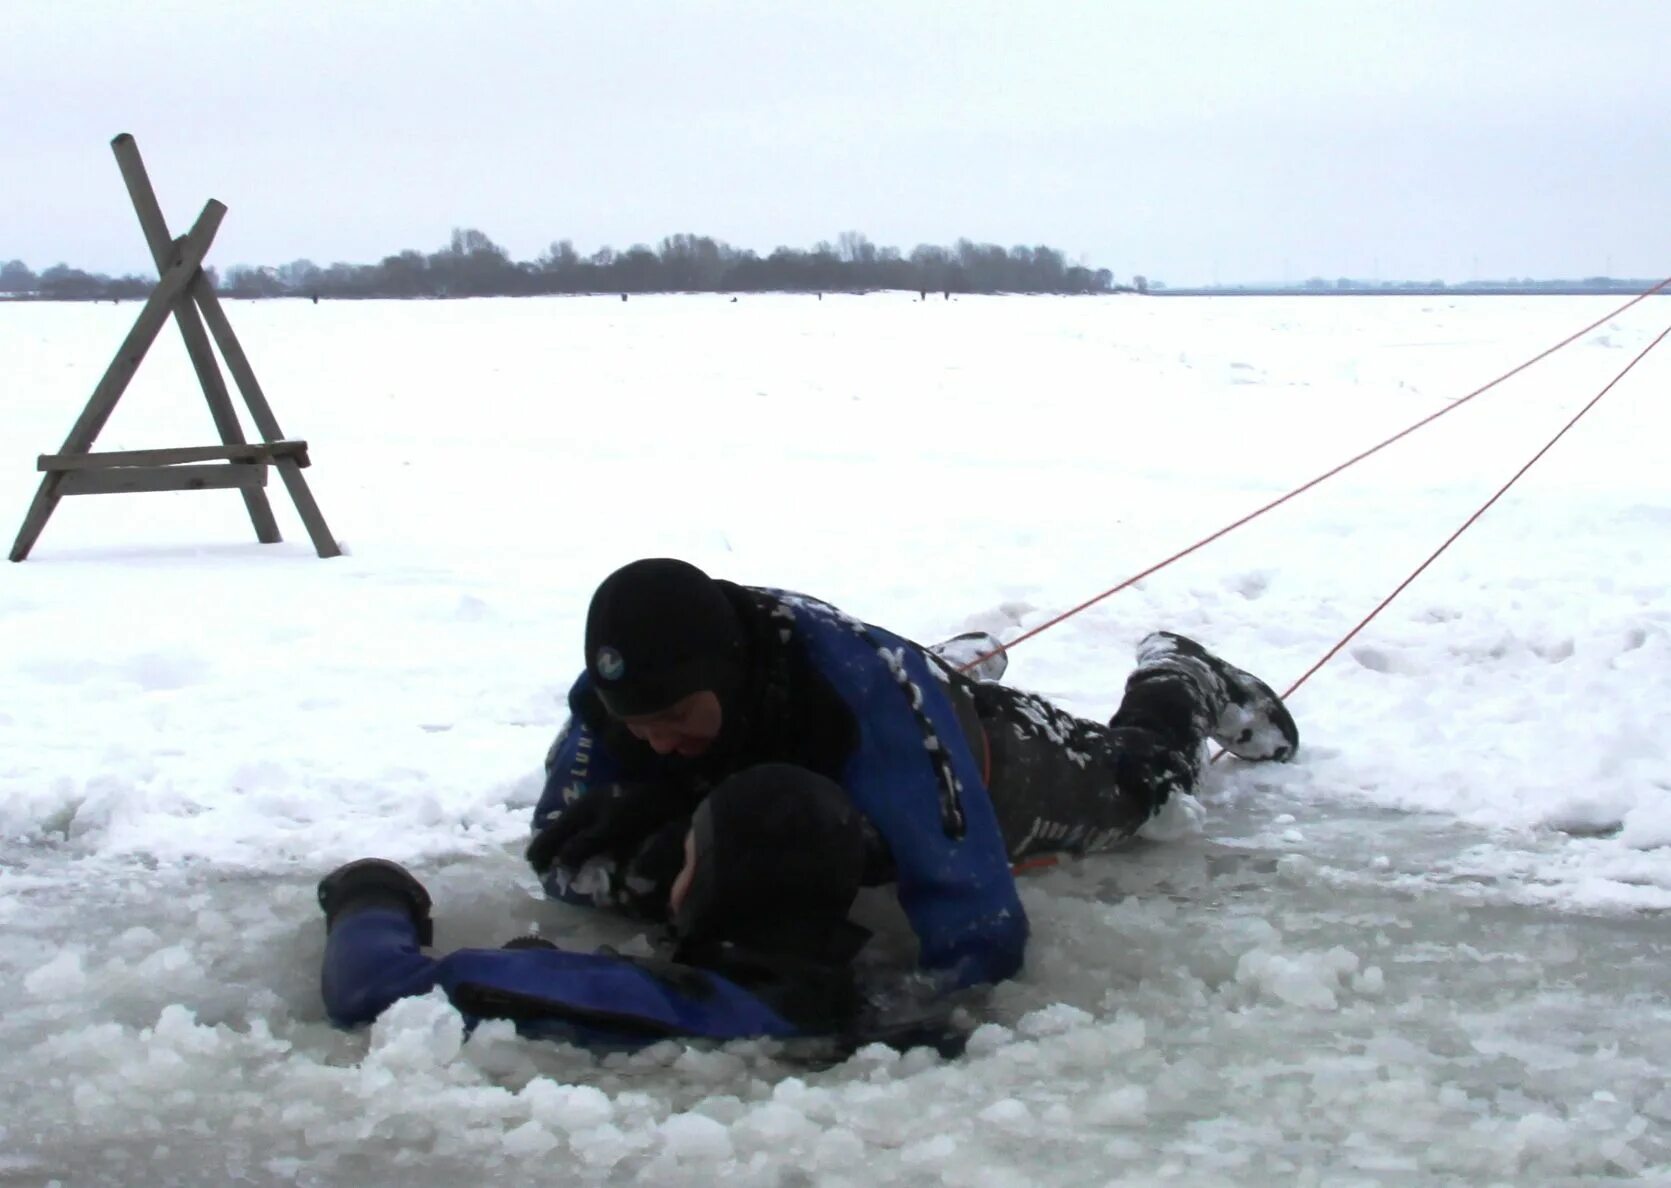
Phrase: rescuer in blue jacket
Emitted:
{"points": [[690, 680]]}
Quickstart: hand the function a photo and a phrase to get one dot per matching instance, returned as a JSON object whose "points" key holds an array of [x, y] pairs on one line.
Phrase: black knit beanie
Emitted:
{"points": [[659, 630], [779, 857]]}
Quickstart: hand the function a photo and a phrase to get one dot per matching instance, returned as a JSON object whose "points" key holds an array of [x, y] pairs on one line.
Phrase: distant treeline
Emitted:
{"points": [[1348, 287], [472, 265]]}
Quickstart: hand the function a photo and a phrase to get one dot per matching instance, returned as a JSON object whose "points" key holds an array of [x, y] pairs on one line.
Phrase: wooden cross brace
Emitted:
{"points": [[185, 292]]}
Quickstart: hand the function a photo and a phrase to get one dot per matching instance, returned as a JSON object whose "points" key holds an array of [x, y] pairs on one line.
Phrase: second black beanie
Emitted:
{"points": [[658, 630]]}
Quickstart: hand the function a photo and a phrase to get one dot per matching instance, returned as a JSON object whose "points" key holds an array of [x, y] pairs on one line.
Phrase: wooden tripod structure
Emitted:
{"points": [[185, 292]]}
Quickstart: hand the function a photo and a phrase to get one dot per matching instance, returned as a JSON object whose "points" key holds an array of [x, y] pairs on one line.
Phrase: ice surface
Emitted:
{"points": [[1431, 950]]}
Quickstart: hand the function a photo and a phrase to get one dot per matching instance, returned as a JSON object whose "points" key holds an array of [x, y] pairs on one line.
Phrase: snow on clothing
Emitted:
{"points": [[958, 779]]}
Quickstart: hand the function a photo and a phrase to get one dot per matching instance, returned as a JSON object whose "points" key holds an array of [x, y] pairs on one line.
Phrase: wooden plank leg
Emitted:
{"points": [[220, 408], [155, 228], [225, 416], [244, 376], [323, 542], [236, 361], [40, 511]]}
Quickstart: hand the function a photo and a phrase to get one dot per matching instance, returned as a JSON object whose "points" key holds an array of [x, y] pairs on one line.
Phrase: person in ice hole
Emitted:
{"points": [[759, 941]]}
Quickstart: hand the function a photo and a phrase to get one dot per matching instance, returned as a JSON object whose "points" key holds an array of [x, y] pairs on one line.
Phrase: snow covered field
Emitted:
{"points": [[1432, 950]]}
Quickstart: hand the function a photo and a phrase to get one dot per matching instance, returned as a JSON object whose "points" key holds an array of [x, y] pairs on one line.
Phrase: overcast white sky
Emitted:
{"points": [[1188, 140]]}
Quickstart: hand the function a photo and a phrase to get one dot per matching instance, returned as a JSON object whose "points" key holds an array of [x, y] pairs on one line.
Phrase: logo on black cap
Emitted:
{"points": [[610, 664]]}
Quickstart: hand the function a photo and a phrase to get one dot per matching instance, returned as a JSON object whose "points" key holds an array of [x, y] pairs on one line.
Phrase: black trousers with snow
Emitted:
{"points": [[1057, 783], [1061, 783]]}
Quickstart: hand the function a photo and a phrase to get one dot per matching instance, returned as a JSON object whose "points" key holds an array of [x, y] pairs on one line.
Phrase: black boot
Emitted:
{"points": [[376, 882], [1243, 714], [966, 649]]}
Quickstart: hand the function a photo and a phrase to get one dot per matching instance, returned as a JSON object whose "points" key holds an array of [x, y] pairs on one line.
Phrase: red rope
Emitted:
{"points": [[1466, 524], [1328, 474], [1046, 861], [1480, 511]]}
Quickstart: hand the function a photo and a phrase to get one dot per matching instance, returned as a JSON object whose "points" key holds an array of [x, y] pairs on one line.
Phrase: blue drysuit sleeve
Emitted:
{"points": [[955, 882], [372, 959], [576, 765]]}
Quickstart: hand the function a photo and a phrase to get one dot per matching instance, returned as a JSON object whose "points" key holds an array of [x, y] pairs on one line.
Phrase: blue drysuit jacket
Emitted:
{"points": [[908, 764]]}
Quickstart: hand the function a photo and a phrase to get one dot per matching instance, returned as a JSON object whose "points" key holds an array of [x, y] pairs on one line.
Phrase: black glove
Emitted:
{"points": [[647, 877], [604, 821]]}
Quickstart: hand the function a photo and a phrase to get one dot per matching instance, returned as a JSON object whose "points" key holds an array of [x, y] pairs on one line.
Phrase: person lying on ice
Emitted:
{"points": [[760, 942], [689, 680]]}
